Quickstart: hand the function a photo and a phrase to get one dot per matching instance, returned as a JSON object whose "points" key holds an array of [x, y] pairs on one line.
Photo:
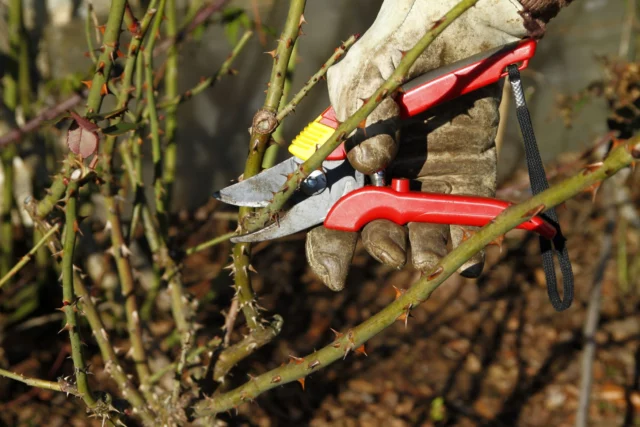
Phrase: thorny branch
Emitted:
{"points": [[621, 157], [264, 124]]}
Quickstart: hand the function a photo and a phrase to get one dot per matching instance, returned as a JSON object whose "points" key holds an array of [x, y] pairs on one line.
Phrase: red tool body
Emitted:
{"points": [[424, 92], [396, 203], [346, 203]]}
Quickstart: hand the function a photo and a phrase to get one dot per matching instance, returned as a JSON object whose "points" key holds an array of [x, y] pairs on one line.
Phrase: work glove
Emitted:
{"points": [[448, 149]]}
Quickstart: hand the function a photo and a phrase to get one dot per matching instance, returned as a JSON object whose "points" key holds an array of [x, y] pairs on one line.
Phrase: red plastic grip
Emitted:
{"points": [[449, 82], [396, 203]]}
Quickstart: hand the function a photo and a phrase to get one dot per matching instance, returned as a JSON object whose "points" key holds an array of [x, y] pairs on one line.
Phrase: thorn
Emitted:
{"points": [[124, 250], [593, 189], [592, 168], [296, 360], [301, 381], [252, 269], [100, 68], [101, 28], [498, 242], [273, 53], [399, 292], [76, 228], [438, 271], [534, 212], [67, 327], [361, 350], [104, 90], [314, 364], [87, 83], [337, 334], [302, 20], [466, 235]]}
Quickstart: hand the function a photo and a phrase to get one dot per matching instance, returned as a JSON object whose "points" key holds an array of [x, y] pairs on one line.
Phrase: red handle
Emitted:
{"points": [[398, 204], [449, 82]]}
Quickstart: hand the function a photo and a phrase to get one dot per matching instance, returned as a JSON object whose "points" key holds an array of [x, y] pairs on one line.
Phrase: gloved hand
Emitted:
{"points": [[450, 148]]}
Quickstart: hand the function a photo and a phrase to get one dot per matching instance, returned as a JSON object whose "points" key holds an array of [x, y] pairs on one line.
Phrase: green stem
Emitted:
{"points": [[89, 310], [171, 116], [419, 292], [120, 253], [88, 33], [271, 154], [264, 124], [397, 78], [35, 382], [25, 259], [210, 243], [105, 61], [154, 123], [319, 75], [6, 206], [225, 69], [68, 298]]}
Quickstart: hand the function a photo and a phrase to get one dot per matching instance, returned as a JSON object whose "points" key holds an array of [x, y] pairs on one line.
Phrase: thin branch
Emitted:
{"points": [[419, 292], [319, 75], [62, 386], [215, 241], [264, 124], [26, 258], [593, 319], [68, 301], [45, 116], [171, 115]]}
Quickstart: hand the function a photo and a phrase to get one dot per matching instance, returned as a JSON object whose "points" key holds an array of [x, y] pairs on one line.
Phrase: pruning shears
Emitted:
{"points": [[340, 197]]}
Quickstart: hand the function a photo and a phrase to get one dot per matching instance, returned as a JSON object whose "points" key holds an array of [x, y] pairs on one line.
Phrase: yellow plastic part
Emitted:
{"points": [[312, 136]]}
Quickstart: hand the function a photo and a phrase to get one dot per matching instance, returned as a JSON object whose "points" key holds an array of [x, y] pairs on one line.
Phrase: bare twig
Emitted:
{"points": [[26, 258], [593, 318], [62, 385], [319, 75]]}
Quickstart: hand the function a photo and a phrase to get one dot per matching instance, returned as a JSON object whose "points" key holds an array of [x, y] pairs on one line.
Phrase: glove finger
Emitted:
{"points": [[473, 267], [329, 253], [386, 242], [428, 244], [373, 148]]}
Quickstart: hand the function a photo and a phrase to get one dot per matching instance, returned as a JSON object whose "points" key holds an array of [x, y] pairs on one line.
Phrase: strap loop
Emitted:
{"points": [[538, 179]]}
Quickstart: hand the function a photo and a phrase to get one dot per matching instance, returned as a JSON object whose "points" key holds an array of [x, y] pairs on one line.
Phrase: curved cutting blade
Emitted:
{"points": [[257, 191], [311, 210]]}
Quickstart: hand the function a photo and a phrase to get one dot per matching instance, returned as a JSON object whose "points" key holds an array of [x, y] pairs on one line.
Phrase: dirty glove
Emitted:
{"points": [[449, 149]]}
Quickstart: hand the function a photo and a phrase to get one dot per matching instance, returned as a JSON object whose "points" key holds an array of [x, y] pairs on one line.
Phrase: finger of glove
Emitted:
{"points": [[473, 267], [428, 244], [373, 147], [386, 242], [329, 254]]}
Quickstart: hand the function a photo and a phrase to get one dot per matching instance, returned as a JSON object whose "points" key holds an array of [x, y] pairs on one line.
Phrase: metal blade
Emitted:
{"points": [[312, 210], [258, 190]]}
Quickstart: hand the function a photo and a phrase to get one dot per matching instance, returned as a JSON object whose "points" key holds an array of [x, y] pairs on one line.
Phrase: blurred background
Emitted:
{"points": [[213, 126]]}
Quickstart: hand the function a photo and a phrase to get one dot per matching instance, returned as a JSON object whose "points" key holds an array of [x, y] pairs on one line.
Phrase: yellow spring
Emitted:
{"points": [[312, 136]]}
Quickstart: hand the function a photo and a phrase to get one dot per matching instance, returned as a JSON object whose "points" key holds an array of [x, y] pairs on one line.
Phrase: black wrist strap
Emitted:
{"points": [[539, 183]]}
